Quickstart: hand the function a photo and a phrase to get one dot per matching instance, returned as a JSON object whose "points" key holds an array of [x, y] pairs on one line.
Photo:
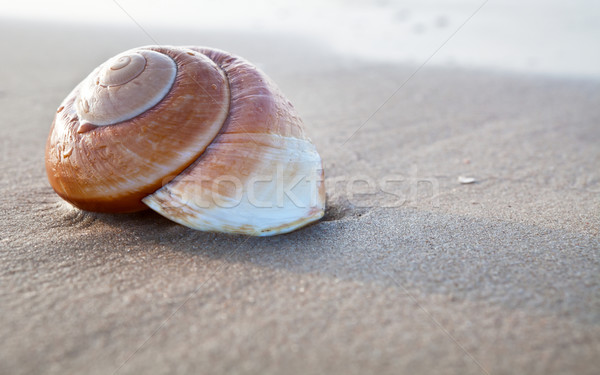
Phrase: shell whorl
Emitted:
{"points": [[111, 168], [125, 86]]}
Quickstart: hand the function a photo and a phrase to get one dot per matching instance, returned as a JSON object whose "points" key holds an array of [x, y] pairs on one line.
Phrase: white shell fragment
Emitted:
{"points": [[466, 180]]}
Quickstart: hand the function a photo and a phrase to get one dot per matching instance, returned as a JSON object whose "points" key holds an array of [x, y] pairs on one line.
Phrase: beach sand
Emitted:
{"points": [[500, 276]]}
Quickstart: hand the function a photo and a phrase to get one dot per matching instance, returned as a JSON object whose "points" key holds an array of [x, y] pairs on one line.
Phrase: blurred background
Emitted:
{"points": [[507, 264], [554, 37]]}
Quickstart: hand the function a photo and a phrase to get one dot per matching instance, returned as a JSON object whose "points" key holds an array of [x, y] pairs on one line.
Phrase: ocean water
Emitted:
{"points": [[556, 37]]}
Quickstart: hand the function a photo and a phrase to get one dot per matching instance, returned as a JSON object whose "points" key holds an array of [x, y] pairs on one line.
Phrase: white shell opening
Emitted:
{"points": [[125, 86], [281, 195]]}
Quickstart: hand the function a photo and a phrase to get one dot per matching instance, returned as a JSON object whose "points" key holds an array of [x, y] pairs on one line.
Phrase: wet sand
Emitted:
{"points": [[422, 274]]}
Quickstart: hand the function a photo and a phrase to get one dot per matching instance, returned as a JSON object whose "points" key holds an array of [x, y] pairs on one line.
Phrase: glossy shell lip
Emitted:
{"points": [[280, 193], [220, 118]]}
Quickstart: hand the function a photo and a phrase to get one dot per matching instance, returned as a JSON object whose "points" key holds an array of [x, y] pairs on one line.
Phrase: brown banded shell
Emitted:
{"points": [[199, 135]]}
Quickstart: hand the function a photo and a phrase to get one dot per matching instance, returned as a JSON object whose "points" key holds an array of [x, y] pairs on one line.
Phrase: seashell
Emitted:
{"points": [[199, 135]]}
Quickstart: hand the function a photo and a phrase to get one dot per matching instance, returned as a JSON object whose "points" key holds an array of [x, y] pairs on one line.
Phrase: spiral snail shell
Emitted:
{"points": [[199, 135]]}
